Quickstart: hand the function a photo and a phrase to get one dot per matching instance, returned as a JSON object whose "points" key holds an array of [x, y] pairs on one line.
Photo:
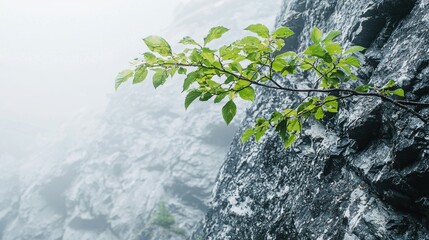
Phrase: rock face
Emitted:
{"points": [[362, 174]]}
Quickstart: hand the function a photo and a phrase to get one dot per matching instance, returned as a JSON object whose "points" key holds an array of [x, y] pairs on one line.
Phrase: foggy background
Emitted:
{"points": [[59, 58]]}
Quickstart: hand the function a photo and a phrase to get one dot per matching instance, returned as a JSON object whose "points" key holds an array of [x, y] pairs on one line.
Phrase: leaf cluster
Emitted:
{"points": [[232, 72]]}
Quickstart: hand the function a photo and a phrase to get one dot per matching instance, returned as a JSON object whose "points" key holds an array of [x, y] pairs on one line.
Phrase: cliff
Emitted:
{"points": [[360, 175]]}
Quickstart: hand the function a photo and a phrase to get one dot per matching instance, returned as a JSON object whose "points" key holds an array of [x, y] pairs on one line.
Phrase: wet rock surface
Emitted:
{"points": [[362, 174]]}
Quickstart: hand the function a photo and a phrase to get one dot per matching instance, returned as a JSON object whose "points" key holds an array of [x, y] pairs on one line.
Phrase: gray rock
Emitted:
{"points": [[362, 174]]}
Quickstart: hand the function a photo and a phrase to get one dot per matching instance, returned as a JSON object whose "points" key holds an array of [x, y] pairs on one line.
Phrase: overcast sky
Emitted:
{"points": [[59, 57]]}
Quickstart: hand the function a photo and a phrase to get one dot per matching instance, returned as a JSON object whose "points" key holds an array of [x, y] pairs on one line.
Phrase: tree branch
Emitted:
{"points": [[399, 103]]}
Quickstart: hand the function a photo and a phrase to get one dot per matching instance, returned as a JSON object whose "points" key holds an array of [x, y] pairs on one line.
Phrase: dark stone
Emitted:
{"points": [[361, 174], [365, 128]]}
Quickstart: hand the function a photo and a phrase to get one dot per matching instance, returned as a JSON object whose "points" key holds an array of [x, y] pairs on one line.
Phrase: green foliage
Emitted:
{"points": [[192, 95], [165, 219], [215, 33], [158, 45], [232, 71], [399, 92], [228, 111], [282, 32], [316, 35], [259, 29], [123, 77], [140, 74], [160, 77]]}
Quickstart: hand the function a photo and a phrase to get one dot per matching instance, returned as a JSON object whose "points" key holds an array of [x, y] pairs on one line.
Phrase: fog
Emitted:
{"points": [[59, 58]]}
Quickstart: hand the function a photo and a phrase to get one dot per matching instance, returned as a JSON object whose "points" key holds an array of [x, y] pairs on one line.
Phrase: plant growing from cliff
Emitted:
{"points": [[233, 71], [165, 219]]}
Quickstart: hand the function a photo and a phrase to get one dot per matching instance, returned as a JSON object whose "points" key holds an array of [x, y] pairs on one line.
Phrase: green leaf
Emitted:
{"points": [[279, 44], [192, 95], [327, 58], [386, 92], [230, 53], [254, 56], [241, 84], [399, 92], [250, 40], [220, 97], [391, 83], [247, 134], [290, 140], [159, 78], [346, 69], [158, 45], [149, 57], [289, 55], [294, 125], [261, 127], [354, 49], [281, 128], [350, 60], [308, 104], [172, 71], [205, 96], [247, 93], [228, 111], [331, 104], [259, 29], [235, 66], [316, 50], [276, 117], [215, 33], [363, 88], [212, 84], [208, 55], [188, 41], [181, 70], [259, 132], [305, 66], [191, 78], [123, 77], [195, 56], [333, 48], [290, 112], [279, 64], [319, 114], [331, 35], [316, 35], [283, 32], [140, 74], [229, 79], [339, 74]]}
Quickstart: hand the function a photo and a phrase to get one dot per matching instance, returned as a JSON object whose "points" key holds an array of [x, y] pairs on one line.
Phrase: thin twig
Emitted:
{"points": [[399, 103]]}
